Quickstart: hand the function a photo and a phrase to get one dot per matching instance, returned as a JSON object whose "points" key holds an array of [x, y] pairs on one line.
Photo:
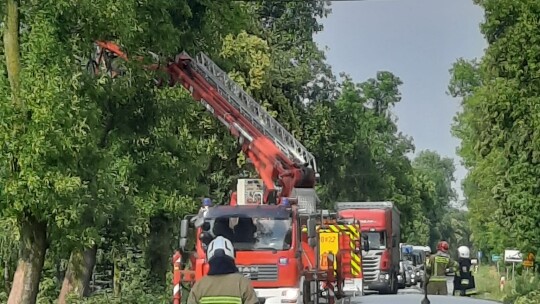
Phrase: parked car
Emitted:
{"points": [[401, 275], [409, 273], [412, 270], [420, 275]]}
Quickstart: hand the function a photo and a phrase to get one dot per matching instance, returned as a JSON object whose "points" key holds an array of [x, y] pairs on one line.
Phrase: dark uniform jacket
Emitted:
{"points": [[231, 288], [464, 280], [223, 284], [436, 266]]}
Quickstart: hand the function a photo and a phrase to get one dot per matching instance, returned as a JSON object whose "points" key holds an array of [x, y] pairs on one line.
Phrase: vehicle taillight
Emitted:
{"points": [[385, 261]]}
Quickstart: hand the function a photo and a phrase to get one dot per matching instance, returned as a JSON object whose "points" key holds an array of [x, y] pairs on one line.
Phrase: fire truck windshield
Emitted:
{"points": [[254, 234]]}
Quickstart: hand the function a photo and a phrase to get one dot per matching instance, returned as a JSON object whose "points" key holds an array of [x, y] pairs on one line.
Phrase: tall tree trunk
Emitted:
{"points": [[6, 275], [157, 254], [117, 275], [33, 245], [33, 233], [79, 272], [12, 49]]}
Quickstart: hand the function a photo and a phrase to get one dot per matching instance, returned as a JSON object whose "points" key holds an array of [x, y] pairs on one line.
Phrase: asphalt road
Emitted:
{"points": [[414, 295], [418, 290]]}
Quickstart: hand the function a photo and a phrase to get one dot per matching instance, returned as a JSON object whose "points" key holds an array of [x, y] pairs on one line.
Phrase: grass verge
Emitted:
{"points": [[524, 289]]}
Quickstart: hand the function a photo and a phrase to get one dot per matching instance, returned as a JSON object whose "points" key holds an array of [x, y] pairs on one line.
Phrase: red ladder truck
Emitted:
{"points": [[285, 263]]}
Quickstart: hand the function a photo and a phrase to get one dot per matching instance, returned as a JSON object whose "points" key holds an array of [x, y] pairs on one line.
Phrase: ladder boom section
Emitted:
{"points": [[225, 100], [253, 111]]}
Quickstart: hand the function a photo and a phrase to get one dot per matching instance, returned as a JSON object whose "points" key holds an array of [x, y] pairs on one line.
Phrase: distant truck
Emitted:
{"points": [[380, 223], [420, 253]]}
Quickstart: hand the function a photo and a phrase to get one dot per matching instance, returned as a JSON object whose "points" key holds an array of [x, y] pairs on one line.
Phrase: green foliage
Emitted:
{"points": [[497, 127], [99, 158], [522, 289], [363, 157], [251, 55], [526, 290]]}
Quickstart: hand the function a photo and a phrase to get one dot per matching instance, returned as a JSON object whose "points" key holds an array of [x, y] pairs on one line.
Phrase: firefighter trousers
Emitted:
{"points": [[437, 288]]}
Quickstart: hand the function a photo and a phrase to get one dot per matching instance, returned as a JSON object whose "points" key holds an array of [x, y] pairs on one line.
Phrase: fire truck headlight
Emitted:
{"points": [[283, 261], [290, 293]]}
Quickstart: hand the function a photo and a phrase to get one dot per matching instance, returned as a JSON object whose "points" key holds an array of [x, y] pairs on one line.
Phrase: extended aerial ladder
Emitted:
{"points": [[278, 157], [275, 153]]}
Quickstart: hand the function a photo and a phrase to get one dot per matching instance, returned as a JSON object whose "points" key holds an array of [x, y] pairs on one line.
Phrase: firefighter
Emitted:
{"points": [[244, 231], [463, 280], [223, 284], [436, 266], [222, 228]]}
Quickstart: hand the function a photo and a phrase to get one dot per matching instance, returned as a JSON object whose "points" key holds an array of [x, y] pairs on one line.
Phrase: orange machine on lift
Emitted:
{"points": [[282, 259]]}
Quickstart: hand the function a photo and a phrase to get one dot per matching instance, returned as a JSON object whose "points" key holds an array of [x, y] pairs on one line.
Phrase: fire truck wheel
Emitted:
{"points": [[306, 292]]}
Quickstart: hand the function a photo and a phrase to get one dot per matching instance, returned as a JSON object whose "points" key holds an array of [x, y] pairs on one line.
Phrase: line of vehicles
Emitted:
{"points": [[411, 265], [292, 251]]}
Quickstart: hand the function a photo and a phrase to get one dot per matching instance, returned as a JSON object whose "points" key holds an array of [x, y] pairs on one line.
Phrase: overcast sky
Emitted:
{"points": [[417, 40]]}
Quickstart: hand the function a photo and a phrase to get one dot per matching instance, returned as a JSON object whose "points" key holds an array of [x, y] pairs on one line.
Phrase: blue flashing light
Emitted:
{"points": [[285, 202], [207, 202]]}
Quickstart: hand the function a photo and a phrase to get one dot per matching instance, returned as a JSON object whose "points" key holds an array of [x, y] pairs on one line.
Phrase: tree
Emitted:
{"points": [[440, 173], [496, 128], [101, 167]]}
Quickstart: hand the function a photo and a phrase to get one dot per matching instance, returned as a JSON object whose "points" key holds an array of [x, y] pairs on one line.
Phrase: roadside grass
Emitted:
{"points": [[487, 284], [524, 289]]}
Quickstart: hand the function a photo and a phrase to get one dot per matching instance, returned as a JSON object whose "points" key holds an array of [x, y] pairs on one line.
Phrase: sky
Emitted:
{"points": [[418, 41]]}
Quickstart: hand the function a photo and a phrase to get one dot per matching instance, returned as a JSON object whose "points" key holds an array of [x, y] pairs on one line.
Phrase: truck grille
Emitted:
{"points": [[261, 273], [371, 267]]}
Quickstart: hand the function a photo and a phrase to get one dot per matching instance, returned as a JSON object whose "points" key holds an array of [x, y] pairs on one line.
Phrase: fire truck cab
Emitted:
{"points": [[266, 239]]}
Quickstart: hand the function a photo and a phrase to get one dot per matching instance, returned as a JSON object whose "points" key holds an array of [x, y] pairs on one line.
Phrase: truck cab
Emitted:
{"points": [[266, 241], [380, 222], [271, 248]]}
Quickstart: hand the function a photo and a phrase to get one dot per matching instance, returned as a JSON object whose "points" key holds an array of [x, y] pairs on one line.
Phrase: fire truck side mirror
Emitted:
{"points": [[184, 227], [182, 244], [311, 228]]}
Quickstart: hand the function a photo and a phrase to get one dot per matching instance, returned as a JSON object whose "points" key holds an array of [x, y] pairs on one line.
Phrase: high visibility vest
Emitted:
{"points": [[221, 300], [436, 267]]}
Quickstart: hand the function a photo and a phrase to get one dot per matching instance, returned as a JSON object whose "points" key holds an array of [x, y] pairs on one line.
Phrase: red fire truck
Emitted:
{"points": [[285, 262]]}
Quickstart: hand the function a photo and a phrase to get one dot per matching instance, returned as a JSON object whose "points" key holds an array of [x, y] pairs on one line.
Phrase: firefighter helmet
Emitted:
{"points": [[443, 246], [220, 247], [464, 252]]}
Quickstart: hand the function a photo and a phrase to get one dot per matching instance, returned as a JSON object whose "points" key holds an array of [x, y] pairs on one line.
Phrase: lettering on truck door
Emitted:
{"points": [[328, 243]]}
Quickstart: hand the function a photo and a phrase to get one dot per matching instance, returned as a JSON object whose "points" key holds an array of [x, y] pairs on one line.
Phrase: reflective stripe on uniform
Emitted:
{"points": [[440, 260], [221, 300], [437, 279]]}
